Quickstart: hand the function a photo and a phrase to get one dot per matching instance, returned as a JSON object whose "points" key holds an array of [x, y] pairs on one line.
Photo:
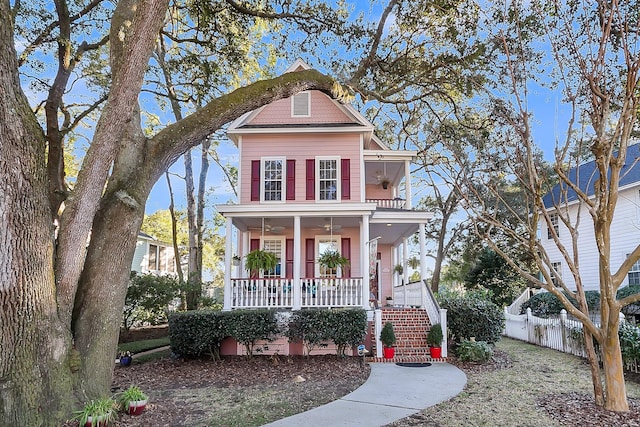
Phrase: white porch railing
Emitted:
{"points": [[278, 293], [389, 203]]}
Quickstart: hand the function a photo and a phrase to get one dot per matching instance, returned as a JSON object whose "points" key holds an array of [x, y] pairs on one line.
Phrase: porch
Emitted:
{"points": [[288, 293]]}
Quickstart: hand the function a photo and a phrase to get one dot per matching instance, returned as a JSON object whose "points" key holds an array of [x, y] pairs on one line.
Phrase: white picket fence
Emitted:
{"points": [[560, 333]]}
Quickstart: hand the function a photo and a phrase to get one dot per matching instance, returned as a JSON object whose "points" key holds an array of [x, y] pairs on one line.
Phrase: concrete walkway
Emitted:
{"points": [[390, 393]]}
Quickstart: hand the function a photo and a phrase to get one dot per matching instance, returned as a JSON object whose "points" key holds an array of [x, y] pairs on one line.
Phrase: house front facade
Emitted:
{"points": [[153, 256], [314, 179], [625, 226]]}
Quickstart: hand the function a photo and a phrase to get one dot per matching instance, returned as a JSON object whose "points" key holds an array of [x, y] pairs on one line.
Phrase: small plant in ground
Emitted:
{"points": [[474, 351], [98, 412], [387, 335]]}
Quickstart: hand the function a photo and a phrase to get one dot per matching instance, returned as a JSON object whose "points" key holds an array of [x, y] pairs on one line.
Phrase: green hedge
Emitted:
{"points": [[194, 333], [250, 326], [544, 304], [472, 315]]}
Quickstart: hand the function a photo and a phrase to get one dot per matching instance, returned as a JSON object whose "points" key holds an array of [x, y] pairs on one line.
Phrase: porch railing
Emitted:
{"points": [[396, 203], [279, 293]]}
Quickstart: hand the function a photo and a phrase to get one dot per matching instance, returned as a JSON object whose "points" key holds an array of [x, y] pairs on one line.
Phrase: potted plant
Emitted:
{"points": [[388, 338], [434, 339], [260, 260], [332, 259], [235, 260], [125, 358], [398, 268], [389, 300], [133, 400], [97, 413]]}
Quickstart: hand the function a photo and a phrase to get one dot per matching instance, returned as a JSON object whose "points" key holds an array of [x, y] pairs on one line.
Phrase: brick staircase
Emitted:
{"points": [[410, 326]]}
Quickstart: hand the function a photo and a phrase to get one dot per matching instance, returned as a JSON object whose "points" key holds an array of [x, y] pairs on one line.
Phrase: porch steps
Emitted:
{"points": [[410, 326]]}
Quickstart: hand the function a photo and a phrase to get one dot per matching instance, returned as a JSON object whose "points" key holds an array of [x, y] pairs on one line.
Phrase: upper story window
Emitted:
{"points": [[556, 273], [634, 274], [328, 179], [273, 179], [553, 223], [161, 258], [301, 104]]}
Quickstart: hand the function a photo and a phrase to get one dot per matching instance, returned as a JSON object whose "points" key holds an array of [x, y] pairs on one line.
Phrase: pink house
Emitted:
{"points": [[314, 177]]}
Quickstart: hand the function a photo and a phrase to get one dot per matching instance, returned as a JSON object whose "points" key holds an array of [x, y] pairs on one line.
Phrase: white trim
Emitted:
{"points": [[283, 179], [318, 237], [293, 104], [283, 250], [337, 159]]}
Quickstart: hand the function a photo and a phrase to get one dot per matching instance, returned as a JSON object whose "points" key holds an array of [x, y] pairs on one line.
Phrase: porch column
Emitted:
{"points": [[245, 250], [423, 252], [297, 286], [364, 259], [407, 184], [228, 256], [405, 270]]}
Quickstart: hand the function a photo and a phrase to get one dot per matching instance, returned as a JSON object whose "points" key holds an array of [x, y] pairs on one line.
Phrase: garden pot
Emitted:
{"points": [[436, 352], [126, 360], [388, 352], [95, 421], [136, 408]]}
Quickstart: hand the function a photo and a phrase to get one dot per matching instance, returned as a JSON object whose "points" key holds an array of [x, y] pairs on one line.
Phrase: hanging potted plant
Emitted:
{"points": [[388, 338], [259, 260], [133, 400], [398, 268], [434, 339], [332, 259], [97, 413]]}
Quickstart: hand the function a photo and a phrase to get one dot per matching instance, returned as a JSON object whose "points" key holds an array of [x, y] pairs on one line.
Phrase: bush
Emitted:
{"points": [[472, 315], [250, 326], [347, 328], [544, 304], [434, 336], [474, 351], [631, 309], [194, 333], [310, 327], [629, 342], [148, 298], [387, 335]]}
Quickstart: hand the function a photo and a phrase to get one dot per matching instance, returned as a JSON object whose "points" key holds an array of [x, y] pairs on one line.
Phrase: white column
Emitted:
{"points": [[297, 285], [423, 252], [364, 260], [407, 184], [395, 260], [245, 250], [405, 270], [228, 256]]}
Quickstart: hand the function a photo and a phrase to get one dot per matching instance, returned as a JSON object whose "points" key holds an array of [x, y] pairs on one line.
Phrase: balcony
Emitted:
{"points": [[396, 203]]}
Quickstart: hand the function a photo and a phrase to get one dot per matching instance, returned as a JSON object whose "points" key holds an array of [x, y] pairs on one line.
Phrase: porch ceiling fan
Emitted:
{"points": [[266, 226]]}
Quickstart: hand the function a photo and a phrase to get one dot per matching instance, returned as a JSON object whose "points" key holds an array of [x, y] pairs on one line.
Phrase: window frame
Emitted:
{"points": [[283, 178], [321, 238], [281, 256], [337, 179], [635, 269], [556, 273], [297, 95], [554, 221]]}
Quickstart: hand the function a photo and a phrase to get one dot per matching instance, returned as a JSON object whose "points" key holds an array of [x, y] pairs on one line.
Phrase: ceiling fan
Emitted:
{"points": [[274, 229]]}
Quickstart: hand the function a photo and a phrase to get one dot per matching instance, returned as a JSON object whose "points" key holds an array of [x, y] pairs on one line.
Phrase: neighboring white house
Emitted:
{"points": [[153, 256], [625, 228]]}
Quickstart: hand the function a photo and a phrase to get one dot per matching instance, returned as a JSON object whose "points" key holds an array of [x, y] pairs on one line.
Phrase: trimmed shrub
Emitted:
{"points": [[544, 304], [148, 298], [194, 333], [310, 327], [474, 351], [629, 342], [347, 328], [472, 315], [250, 326]]}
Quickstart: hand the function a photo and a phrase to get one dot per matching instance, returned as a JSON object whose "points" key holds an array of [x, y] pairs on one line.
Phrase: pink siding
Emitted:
{"points": [[323, 110], [375, 191], [300, 147]]}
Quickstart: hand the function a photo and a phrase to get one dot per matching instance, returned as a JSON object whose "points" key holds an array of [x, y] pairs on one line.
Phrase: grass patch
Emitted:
{"points": [[152, 356], [145, 345]]}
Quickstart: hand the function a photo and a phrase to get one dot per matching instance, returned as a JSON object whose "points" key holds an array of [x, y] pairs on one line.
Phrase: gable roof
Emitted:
{"points": [[357, 121], [586, 175]]}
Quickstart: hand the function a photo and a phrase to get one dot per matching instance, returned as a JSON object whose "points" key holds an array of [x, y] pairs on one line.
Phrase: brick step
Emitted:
{"points": [[405, 359]]}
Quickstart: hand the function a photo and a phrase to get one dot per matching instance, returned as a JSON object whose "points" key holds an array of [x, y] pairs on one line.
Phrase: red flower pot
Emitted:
{"points": [[136, 408], [436, 352], [388, 352]]}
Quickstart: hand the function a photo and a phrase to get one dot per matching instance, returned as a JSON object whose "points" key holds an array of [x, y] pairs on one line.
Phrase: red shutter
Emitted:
{"points": [[291, 179], [346, 252], [310, 257], [288, 254], [255, 180], [253, 245], [311, 179], [346, 179]]}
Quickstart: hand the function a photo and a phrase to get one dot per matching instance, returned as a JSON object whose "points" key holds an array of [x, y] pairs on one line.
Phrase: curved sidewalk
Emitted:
{"points": [[390, 393]]}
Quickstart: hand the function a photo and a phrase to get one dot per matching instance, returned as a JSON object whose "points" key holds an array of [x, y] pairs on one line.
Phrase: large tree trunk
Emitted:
{"points": [[613, 367], [35, 380]]}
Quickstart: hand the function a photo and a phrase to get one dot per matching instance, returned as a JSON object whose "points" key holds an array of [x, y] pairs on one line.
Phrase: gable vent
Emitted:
{"points": [[300, 104]]}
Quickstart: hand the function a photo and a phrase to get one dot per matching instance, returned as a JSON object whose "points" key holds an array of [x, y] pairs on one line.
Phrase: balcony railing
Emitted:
{"points": [[279, 293], [396, 203]]}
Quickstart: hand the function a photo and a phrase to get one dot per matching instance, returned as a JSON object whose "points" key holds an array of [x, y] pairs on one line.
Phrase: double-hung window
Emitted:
{"points": [[273, 175], [328, 178], [556, 273], [553, 223], [324, 244], [276, 247], [634, 274]]}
